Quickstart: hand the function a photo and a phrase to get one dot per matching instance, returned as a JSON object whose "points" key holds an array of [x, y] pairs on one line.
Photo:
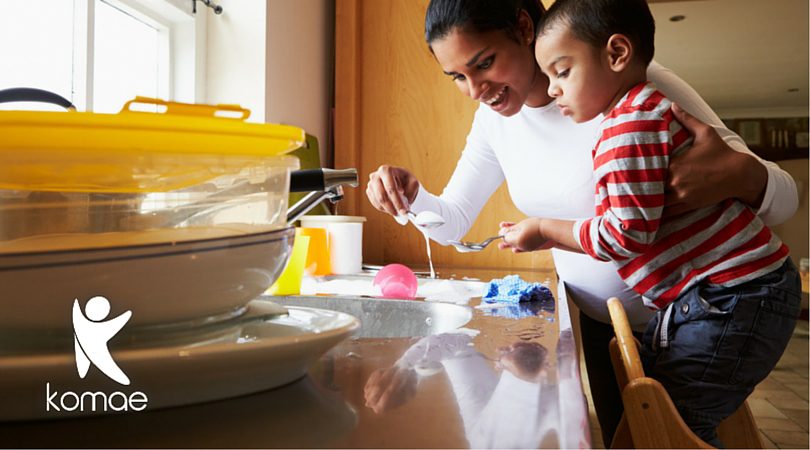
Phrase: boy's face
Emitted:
{"points": [[579, 75]]}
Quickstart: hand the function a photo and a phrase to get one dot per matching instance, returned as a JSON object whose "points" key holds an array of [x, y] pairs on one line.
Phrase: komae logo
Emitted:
{"points": [[91, 334]]}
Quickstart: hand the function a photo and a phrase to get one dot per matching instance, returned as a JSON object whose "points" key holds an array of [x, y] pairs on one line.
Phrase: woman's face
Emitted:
{"points": [[493, 68]]}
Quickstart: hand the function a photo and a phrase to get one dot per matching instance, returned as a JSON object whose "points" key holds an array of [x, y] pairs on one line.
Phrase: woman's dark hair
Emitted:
{"points": [[479, 16], [594, 21]]}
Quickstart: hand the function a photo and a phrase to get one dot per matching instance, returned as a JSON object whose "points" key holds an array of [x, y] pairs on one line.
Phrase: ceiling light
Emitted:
{"points": [[677, 18]]}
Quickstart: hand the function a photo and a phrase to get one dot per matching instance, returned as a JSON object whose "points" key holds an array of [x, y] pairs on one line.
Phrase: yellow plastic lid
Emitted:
{"points": [[135, 151]]}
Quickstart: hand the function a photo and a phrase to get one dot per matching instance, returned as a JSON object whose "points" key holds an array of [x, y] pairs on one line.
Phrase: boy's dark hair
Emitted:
{"points": [[443, 16], [594, 21]]}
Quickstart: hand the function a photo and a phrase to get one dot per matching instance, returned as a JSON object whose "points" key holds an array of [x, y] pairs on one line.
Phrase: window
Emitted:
{"points": [[100, 53], [37, 50], [128, 58]]}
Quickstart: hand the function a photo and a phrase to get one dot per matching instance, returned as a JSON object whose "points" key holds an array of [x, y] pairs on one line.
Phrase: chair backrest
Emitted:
{"points": [[650, 416], [629, 363]]}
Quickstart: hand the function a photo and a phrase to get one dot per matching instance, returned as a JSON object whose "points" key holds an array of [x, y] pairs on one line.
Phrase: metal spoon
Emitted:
{"points": [[467, 247], [425, 219]]}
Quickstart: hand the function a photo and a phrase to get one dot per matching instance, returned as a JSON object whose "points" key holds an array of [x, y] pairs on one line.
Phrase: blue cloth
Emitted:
{"points": [[720, 343], [511, 289]]}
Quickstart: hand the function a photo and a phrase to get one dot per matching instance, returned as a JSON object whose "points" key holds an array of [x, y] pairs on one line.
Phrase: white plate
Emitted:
{"points": [[160, 283], [250, 356]]}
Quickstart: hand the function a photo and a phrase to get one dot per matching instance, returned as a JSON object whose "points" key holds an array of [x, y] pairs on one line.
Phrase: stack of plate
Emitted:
{"points": [[132, 247]]}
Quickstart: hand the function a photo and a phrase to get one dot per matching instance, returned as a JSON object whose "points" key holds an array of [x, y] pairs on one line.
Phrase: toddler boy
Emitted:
{"points": [[727, 293]]}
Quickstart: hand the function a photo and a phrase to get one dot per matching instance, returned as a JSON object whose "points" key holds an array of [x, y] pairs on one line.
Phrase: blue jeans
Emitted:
{"points": [[718, 343]]}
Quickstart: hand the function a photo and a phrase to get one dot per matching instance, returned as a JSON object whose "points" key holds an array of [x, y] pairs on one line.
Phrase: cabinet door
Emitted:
{"points": [[393, 105]]}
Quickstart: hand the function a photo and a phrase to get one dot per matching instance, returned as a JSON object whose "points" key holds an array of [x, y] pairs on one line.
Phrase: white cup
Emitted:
{"points": [[344, 240]]}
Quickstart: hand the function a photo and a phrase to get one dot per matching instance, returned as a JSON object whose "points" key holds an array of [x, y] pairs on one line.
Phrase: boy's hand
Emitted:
{"points": [[524, 236], [526, 360]]}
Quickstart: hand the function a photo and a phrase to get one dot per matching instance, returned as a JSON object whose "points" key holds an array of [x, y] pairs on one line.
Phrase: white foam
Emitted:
{"points": [[459, 292]]}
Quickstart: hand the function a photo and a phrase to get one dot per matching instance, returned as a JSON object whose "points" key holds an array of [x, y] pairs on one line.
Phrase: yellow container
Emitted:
{"points": [[135, 151], [318, 253], [71, 180], [289, 283]]}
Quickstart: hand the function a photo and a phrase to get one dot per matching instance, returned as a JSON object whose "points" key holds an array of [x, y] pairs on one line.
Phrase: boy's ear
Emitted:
{"points": [[619, 52]]}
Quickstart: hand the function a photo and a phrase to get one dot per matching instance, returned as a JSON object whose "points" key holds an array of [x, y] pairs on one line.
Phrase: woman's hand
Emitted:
{"points": [[524, 236], [711, 171], [389, 188], [389, 388]]}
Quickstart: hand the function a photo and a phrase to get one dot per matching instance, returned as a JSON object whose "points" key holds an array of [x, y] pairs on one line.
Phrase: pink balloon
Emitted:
{"points": [[396, 281]]}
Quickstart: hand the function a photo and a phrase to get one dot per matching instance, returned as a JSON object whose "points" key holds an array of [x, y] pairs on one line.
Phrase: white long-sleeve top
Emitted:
{"points": [[545, 159]]}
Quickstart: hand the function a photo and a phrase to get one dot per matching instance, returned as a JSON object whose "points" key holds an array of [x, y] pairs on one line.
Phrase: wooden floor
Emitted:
{"points": [[779, 404]]}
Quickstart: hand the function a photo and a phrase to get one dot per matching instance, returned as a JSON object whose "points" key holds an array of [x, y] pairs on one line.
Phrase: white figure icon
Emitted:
{"points": [[90, 337]]}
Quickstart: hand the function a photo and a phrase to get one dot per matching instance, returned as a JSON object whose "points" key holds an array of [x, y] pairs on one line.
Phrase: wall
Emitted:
{"points": [[274, 57], [393, 105], [235, 60], [300, 52]]}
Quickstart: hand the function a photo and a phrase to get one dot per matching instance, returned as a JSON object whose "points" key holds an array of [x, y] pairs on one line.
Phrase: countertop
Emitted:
{"points": [[509, 378]]}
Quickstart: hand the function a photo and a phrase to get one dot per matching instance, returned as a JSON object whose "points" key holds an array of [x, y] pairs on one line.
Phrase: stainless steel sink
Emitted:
{"points": [[386, 318]]}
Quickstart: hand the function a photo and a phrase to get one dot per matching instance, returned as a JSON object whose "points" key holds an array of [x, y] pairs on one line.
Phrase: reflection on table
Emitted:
{"points": [[507, 378]]}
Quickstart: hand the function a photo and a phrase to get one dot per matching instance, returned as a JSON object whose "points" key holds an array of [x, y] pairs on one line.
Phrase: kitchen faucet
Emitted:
{"points": [[324, 184]]}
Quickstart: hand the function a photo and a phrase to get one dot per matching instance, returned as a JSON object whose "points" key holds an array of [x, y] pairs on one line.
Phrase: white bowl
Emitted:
{"points": [[161, 283]]}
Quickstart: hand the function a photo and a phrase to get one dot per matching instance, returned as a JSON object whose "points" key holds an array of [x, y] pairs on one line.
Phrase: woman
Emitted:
{"points": [[520, 136]]}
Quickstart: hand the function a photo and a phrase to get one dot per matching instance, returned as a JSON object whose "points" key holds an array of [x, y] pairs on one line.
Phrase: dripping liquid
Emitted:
{"points": [[430, 259]]}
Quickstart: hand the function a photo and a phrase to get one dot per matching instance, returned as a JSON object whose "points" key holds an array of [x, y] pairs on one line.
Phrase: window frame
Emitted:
{"points": [[181, 60]]}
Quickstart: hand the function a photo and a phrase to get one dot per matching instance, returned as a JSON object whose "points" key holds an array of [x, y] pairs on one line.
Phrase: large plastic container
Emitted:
{"points": [[178, 216], [82, 180]]}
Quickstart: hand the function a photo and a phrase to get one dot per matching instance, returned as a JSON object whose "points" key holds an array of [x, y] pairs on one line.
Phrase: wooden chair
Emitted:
{"points": [[650, 418]]}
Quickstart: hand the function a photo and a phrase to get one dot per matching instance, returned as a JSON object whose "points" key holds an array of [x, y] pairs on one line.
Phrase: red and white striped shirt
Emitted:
{"points": [[725, 244]]}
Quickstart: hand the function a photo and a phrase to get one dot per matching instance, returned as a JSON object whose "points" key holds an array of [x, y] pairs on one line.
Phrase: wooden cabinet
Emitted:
{"points": [[393, 105]]}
